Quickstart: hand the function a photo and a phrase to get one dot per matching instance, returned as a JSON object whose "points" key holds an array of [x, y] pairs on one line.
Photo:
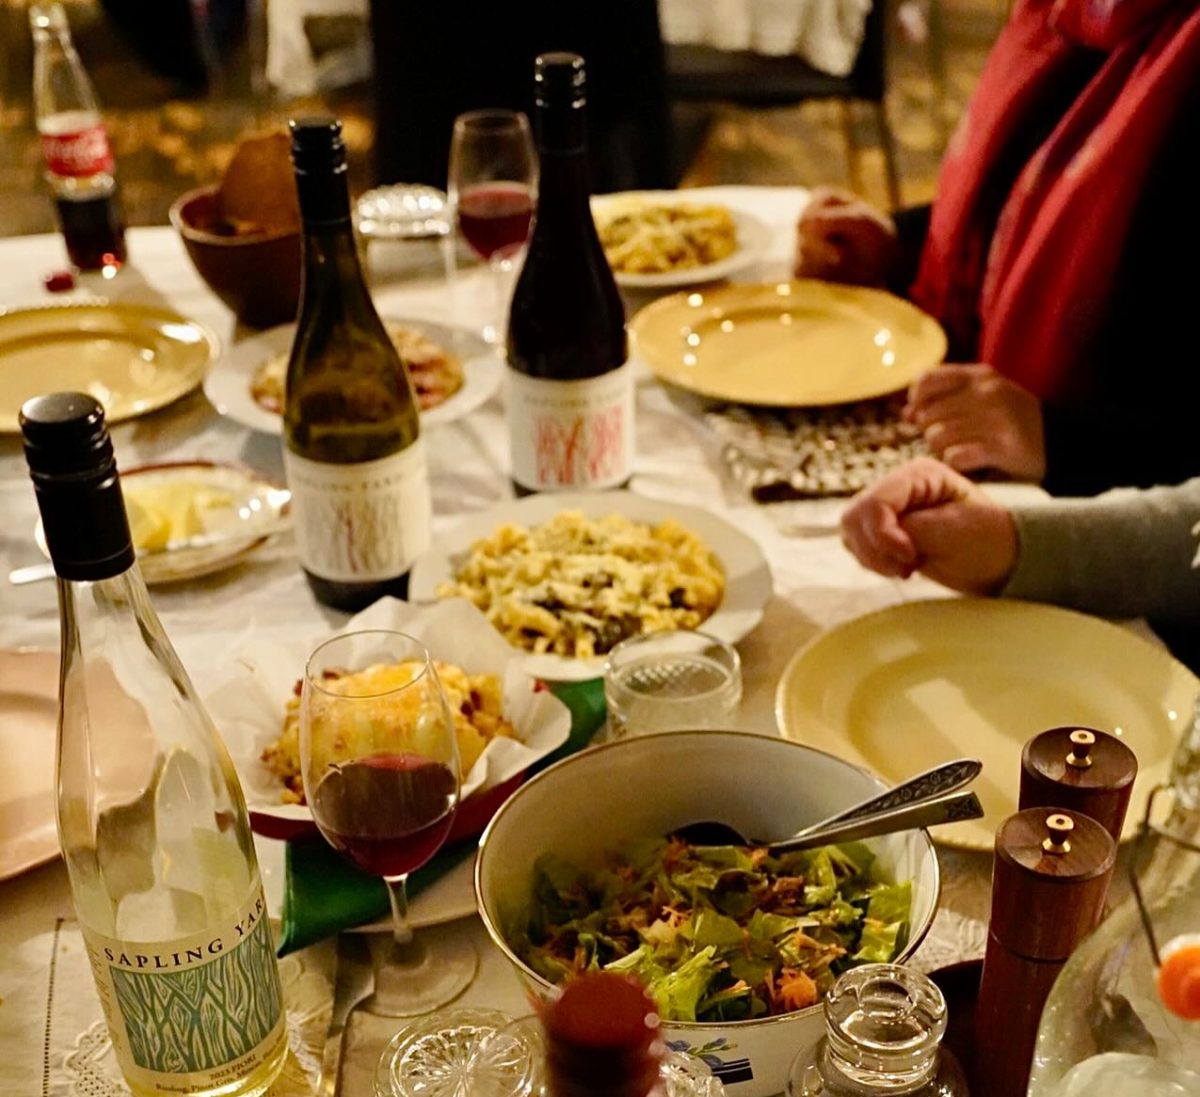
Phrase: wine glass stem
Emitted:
{"points": [[398, 894]]}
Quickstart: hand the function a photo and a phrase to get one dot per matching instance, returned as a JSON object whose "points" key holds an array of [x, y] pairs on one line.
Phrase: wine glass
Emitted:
{"points": [[492, 188], [380, 765]]}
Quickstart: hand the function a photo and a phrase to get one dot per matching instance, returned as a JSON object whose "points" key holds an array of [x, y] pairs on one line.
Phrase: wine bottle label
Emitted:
{"points": [[364, 522], [194, 1014], [79, 154], [571, 434]]}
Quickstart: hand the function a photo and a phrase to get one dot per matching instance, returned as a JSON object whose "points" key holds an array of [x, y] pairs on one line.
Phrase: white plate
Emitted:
{"points": [[446, 900], [245, 487], [917, 684], [227, 385], [753, 239], [28, 730], [748, 584]]}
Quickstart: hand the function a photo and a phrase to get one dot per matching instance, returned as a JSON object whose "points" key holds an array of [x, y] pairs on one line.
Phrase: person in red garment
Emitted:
{"points": [[1059, 254]]}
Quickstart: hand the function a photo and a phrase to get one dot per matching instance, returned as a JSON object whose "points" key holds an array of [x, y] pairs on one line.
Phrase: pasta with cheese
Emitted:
{"points": [[653, 238], [577, 586]]}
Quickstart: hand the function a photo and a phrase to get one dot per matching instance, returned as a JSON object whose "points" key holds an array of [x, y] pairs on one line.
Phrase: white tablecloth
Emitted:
{"points": [[816, 585]]}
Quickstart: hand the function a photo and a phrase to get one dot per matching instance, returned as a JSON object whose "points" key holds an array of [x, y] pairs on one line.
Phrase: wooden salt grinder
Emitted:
{"points": [[1049, 882], [1079, 770]]}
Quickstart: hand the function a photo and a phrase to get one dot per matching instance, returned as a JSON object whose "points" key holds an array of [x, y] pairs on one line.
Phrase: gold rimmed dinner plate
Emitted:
{"points": [[903, 689], [787, 344], [132, 358]]}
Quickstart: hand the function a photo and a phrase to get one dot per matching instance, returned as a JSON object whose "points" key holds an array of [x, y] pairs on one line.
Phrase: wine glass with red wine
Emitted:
{"points": [[493, 188], [380, 764]]}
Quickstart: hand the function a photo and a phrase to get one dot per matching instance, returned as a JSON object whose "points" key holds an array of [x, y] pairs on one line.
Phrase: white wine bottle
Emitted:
{"points": [[570, 396], [151, 817], [352, 437]]}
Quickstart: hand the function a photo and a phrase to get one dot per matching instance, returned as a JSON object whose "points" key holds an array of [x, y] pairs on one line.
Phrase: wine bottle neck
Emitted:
{"points": [[85, 524]]}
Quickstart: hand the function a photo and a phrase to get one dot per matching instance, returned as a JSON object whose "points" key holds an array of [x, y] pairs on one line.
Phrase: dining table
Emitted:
{"points": [[52, 1037]]}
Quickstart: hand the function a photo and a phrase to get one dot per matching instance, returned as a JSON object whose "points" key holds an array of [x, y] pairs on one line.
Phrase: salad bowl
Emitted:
{"points": [[607, 800]]}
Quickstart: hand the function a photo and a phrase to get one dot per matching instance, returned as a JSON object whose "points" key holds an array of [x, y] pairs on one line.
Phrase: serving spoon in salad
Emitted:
{"points": [[928, 799]]}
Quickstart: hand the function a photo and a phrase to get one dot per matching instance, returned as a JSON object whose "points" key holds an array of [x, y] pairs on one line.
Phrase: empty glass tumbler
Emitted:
{"points": [[671, 681]]}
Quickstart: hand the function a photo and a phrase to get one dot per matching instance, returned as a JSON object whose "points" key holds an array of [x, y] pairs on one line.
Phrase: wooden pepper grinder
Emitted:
{"points": [[1080, 770], [1049, 882]]}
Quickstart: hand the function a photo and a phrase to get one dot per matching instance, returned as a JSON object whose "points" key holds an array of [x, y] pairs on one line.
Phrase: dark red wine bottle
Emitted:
{"points": [[570, 387], [603, 1038], [361, 503]]}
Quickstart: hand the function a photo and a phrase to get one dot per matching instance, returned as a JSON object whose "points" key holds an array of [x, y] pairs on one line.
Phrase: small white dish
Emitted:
{"points": [[227, 385], [253, 500]]}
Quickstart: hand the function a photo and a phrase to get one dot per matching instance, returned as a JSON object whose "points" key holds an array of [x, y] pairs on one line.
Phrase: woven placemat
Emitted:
{"points": [[809, 453]]}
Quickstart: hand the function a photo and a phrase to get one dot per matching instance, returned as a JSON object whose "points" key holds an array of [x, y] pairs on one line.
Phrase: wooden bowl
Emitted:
{"points": [[257, 276]]}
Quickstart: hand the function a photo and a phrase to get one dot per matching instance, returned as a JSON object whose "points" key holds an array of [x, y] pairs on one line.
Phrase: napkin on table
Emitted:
{"points": [[809, 453], [324, 894]]}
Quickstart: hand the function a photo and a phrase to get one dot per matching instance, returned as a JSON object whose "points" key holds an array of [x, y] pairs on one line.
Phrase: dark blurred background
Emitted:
{"points": [[181, 80]]}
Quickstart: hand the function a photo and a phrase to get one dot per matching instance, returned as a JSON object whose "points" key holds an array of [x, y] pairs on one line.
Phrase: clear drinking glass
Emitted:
{"points": [[493, 189], [671, 681], [381, 776]]}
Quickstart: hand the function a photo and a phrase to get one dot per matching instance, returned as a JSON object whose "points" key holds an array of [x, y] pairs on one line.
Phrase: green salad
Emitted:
{"points": [[716, 933]]}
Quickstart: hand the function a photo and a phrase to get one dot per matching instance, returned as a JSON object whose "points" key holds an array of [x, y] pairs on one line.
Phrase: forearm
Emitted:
{"points": [[1123, 554]]}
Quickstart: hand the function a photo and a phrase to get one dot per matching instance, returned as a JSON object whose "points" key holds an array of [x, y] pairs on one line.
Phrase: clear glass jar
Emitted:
{"points": [[883, 1030], [1106, 1030]]}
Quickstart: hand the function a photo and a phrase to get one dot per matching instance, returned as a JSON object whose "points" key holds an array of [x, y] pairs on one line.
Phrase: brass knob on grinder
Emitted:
{"points": [[1081, 770]]}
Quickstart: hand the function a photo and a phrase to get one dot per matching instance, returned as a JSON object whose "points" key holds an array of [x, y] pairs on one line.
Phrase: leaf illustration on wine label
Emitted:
{"points": [[205, 1016]]}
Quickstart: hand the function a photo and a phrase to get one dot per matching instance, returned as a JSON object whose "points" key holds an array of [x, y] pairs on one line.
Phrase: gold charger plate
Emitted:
{"points": [[908, 687], [787, 344], [132, 358]]}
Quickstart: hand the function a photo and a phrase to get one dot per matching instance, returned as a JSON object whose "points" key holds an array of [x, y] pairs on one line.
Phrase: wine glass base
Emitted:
{"points": [[419, 978]]}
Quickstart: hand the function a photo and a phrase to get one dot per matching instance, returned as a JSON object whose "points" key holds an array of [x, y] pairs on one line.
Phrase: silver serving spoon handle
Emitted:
{"points": [[956, 807], [945, 778]]}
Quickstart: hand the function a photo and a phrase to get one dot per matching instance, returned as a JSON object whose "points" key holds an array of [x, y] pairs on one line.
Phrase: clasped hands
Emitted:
{"points": [[973, 418]]}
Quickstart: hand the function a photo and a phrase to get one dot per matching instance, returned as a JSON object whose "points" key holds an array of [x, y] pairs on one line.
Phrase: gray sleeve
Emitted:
{"points": [[1122, 554]]}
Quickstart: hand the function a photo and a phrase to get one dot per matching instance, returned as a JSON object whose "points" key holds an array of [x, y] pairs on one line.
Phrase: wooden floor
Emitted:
{"points": [[166, 143]]}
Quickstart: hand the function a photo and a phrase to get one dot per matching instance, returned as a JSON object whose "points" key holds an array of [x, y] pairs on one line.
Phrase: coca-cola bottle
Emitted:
{"points": [[79, 162]]}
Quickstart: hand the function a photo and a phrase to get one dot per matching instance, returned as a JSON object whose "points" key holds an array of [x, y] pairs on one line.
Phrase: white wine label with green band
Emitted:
{"points": [[195, 1014], [571, 434], [363, 522]]}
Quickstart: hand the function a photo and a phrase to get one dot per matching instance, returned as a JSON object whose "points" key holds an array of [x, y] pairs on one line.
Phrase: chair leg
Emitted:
{"points": [[853, 167], [888, 143]]}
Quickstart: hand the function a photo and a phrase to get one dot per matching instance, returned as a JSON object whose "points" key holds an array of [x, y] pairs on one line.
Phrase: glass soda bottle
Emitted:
{"points": [[1123, 1017], [883, 1032], [151, 817], [79, 164]]}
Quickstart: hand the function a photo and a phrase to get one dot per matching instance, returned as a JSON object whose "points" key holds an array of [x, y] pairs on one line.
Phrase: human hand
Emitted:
{"points": [[841, 238], [925, 517], [975, 419]]}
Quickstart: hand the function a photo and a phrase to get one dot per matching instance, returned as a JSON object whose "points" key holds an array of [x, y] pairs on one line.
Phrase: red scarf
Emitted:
{"points": [[1025, 238]]}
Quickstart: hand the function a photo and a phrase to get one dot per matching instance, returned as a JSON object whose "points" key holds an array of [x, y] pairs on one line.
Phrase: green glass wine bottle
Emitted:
{"points": [[352, 437]]}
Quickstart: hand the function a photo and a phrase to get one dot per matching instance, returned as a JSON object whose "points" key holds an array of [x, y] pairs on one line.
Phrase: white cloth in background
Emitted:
{"points": [[291, 67], [826, 33]]}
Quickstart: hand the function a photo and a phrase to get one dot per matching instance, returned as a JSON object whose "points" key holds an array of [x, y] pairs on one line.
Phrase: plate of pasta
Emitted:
{"points": [[563, 578], [664, 239]]}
